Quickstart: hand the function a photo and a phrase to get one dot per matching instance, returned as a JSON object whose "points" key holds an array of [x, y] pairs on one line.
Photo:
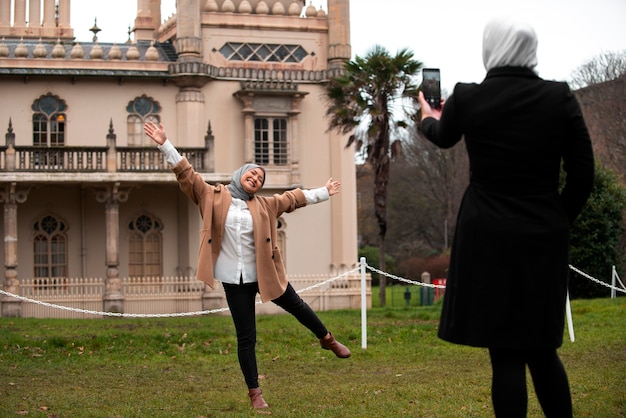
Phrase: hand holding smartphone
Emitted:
{"points": [[431, 87]]}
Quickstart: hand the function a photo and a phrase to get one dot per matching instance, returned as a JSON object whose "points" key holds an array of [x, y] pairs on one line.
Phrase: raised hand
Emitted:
{"points": [[332, 186], [156, 132]]}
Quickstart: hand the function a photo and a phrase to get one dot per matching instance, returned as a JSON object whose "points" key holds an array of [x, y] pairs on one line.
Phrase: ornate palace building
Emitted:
{"points": [[86, 195]]}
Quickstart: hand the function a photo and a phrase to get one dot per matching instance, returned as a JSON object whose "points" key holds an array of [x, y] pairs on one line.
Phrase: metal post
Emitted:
{"points": [[363, 306], [570, 322], [613, 276]]}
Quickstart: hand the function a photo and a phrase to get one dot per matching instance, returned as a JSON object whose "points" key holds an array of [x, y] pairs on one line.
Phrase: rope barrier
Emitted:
{"points": [[402, 279], [306, 289], [117, 314], [129, 315], [568, 309], [600, 282]]}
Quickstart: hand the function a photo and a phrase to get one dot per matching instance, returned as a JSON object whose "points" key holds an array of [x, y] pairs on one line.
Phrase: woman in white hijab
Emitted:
{"points": [[508, 275], [508, 42]]}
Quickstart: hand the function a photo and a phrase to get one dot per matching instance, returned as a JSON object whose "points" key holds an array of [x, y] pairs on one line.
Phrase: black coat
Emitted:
{"points": [[508, 273]]}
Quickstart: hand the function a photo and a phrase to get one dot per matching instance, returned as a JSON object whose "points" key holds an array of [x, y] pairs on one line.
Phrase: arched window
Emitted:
{"points": [[145, 247], [50, 251], [141, 110], [49, 121]]}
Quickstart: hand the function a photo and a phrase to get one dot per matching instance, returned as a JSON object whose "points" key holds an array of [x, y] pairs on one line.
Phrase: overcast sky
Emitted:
{"points": [[440, 33]]}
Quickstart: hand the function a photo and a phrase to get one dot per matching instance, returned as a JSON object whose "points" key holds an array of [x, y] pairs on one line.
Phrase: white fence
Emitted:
{"points": [[165, 295], [79, 293]]}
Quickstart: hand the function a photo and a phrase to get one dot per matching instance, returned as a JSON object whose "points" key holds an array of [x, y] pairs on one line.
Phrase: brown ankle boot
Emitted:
{"points": [[256, 399], [330, 343]]}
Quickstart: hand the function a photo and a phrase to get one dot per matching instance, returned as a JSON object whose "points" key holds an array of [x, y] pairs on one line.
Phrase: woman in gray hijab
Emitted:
{"points": [[507, 282], [239, 249]]}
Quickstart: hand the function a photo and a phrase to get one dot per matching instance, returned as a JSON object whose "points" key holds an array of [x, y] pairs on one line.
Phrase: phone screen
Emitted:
{"points": [[431, 86]]}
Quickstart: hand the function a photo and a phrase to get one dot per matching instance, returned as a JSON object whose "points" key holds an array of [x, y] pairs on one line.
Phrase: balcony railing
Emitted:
{"points": [[93, 159], [152, 160], [60, 159]]}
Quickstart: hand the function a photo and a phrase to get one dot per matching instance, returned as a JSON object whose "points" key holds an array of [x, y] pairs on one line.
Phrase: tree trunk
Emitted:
{"points": [[381, 163], [381, 180], [382, 265]]}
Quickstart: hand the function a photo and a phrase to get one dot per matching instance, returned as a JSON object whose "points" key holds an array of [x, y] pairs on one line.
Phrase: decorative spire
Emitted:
{"points": [[95, 29], [10, 136]]}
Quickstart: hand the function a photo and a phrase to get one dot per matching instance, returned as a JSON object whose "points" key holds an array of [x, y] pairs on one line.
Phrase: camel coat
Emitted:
{"points": [[213, 203]]}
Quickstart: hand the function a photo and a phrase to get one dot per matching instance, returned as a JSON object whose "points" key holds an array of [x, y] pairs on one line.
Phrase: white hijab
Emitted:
{"points": [[509, 42]]}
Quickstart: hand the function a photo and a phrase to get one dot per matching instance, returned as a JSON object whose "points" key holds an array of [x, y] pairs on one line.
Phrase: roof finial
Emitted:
{"points": [[95, 29]]}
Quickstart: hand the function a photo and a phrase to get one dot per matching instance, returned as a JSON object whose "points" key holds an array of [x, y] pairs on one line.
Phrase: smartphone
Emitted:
{"points": [[431, 86]]}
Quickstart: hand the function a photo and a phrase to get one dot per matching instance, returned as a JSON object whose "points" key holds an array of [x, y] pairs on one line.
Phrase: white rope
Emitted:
{"points": [[118, 314], [332, 279], [568, 309], [402, 279], [129, 315], [306, 289], [593, 279]]}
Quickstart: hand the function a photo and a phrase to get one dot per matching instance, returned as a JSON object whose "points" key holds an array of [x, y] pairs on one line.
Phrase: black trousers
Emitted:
{"points": [[508, 387], [241, 302]]}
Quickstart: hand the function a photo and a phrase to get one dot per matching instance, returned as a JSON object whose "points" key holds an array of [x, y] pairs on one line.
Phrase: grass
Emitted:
{"points": [[187, 367]]}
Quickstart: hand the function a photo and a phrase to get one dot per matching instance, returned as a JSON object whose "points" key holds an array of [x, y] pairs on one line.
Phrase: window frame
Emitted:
{"points": [[145, 246], [271, 141], [140, 110], [50, 252]]}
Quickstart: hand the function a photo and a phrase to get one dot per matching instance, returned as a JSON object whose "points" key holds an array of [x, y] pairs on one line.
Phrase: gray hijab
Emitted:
{"points": [[509, 42], [235, 187]]}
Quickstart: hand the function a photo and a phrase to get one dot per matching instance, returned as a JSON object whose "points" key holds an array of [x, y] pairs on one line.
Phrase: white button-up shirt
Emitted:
{"points": [[237, 259]]}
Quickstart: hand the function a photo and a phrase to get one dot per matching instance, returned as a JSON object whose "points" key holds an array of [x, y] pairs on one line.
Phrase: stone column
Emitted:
{"points": [[34, 14], [155, 11], [190, 74], [190, 111], [49, 10], [145, 25], [113, 300], [189, 36], [19, 14], [294, 141], [10, 196], [343, 206], [339, 50], [64, 13], [5, 16], [248, 125]]}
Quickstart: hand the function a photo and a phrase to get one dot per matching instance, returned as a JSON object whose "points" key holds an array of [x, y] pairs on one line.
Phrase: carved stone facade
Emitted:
{"points": [[233, 81]]}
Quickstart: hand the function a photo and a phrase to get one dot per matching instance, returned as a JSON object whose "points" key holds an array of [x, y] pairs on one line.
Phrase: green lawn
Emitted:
{"points": [[187, 367]]}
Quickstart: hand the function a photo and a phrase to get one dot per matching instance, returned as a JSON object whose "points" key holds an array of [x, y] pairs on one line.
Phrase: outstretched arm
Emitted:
{"points": [[321, 194]]}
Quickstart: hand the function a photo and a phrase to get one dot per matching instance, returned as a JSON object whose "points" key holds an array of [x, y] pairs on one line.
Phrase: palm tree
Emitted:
{"points": [[366, 95]]}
